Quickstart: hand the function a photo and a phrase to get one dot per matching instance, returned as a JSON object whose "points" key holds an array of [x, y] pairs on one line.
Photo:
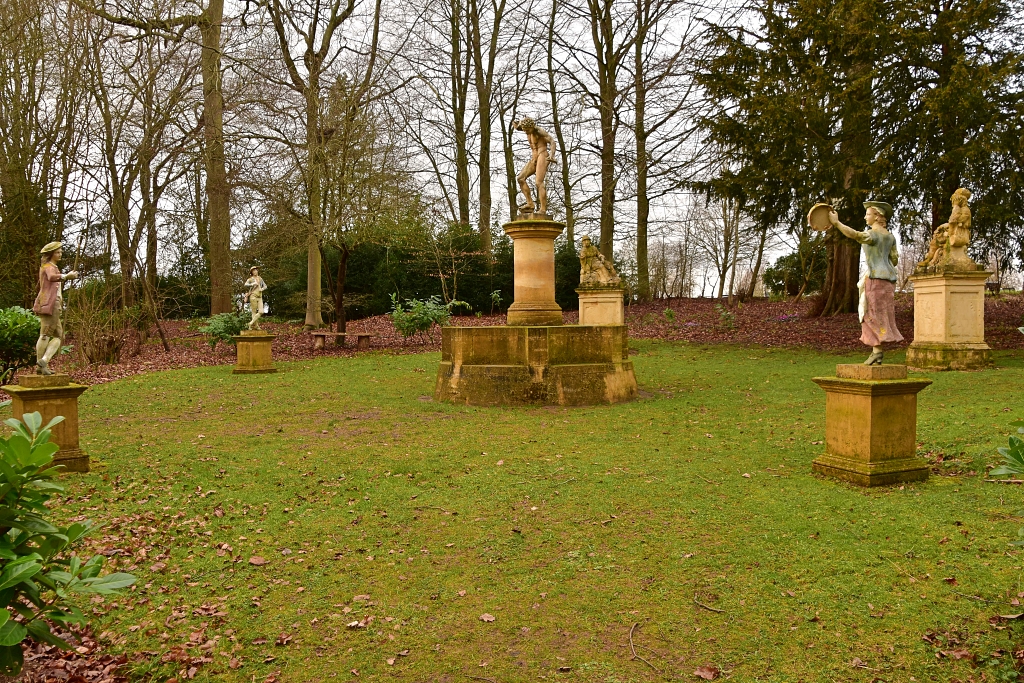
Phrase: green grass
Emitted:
{"points": [[569, 526]]}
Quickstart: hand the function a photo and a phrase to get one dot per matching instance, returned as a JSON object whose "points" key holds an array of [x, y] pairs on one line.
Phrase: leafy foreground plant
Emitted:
{"points": [[38, 574], [224, 326]]}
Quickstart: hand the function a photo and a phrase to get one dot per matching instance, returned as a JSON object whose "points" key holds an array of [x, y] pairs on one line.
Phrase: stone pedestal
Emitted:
{"points": [[949, 320], [50, 396], [533, 250], [551, 365], [253, 353], [601, 306], [871, 425]]}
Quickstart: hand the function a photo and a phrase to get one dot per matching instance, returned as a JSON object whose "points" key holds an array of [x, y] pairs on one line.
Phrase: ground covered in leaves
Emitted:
{"points": [[331, 522], [762, 322]]}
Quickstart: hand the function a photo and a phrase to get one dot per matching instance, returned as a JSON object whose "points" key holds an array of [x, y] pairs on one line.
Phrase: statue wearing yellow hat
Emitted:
{"points": [[48, 305]]}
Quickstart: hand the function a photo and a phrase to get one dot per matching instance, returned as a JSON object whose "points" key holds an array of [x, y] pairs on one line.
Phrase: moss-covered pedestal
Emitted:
{"points": [[871, 425], [253, 355], [50, 396], [548, 365], [949, 320]]}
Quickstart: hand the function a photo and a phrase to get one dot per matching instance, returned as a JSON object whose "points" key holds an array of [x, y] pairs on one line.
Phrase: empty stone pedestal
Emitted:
{"points": [[568, 365], [253, 354], [871, 425], [50, 396], [949, 320], [533, 252], [601, 306]]}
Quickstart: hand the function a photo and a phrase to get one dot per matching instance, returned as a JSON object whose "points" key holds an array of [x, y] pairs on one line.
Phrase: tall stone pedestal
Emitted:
{"points": [[253, 353], [563, 365], [601, 306], [533, 250], [871, 425], [50, 396], [949, 320]]}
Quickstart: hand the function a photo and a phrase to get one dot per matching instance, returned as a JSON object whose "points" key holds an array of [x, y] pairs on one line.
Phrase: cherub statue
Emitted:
{"points": [[938, 248], [542, 148], [254, 296], [595, 269]]}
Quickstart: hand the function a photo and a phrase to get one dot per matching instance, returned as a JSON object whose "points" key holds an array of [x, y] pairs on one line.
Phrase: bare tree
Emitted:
{"points": [[218, 191]]}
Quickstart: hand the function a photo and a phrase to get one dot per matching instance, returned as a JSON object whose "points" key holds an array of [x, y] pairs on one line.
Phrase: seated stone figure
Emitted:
{"points": [[595, 269], [937, 249], [948, 248]]}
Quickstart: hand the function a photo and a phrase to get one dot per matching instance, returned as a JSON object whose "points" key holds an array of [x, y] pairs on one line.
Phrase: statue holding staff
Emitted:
{"points": [[48, 306], [254, 296], [878, 286], [542, 148]]}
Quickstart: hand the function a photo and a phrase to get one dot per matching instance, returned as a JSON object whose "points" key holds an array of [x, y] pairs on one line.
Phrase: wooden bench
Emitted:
{"points": [[362, 338]]}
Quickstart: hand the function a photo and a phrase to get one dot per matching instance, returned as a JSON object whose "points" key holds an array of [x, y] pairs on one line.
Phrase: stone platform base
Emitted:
{"points": [[936, 356], [253, 353], [50, 396], [871, 425], [572, 365]]}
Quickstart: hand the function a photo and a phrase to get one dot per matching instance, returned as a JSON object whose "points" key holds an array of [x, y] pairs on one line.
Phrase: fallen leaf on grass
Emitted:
{"points": [[283, 639], [565, 669], [257, 561], [158, 567], [746, 475], [235, 663], [391, 661], [707, 672], [858, 663], [951, 580], [487, 617]]}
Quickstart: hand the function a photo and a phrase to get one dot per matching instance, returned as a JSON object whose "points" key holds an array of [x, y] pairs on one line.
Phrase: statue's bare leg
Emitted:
{"points": [[527, 171], [542, 190]]}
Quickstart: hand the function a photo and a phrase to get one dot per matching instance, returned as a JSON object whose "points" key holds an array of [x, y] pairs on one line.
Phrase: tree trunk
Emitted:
{"points": [[218, 192], [757, 264], [314, 155], [643, 202], [460, 87], [484, 75]]}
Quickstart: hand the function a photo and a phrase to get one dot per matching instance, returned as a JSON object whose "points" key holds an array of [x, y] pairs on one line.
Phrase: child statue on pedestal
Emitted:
{"points": [[48, 306], [254, 296]]}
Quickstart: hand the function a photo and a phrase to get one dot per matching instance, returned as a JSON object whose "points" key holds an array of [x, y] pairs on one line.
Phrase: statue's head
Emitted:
{"points": [[877, 212], [961, 196], [941, 234], [254, 271], [526, 124], [52, 252], [586, 241]]}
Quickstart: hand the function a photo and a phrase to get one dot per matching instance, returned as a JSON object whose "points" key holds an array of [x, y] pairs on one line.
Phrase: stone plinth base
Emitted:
{"points": [[949, 356], [556, 365], [253, 353], [949, 320], [601, 306], [871, 425], [50, 396]]}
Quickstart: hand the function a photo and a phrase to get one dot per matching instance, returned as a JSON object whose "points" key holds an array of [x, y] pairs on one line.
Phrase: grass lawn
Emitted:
{"points": [[571, 527]]}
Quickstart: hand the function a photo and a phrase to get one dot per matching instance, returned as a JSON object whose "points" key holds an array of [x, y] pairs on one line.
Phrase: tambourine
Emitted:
{"points": [[817, 217]]}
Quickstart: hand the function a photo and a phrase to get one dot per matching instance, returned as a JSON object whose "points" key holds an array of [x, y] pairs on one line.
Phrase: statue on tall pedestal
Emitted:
{"points": [[48, 305], [878, 286], [542, 147]]}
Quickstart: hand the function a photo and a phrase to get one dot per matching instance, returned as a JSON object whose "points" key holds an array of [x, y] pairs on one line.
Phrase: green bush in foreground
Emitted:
{"points": [[19, 329], [38, 573], [224, 326]]}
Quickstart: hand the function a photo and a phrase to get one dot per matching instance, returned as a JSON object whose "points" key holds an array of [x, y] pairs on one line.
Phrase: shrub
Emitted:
{"points": [[726, 318], [670, 315], [19, 330], [1013, 455], [420, 315], [224, 326], [38, 572], [786, 275], [102, 326]]}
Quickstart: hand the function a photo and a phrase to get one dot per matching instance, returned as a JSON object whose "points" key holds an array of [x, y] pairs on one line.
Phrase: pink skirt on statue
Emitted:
{"points": [[879, 324]]}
